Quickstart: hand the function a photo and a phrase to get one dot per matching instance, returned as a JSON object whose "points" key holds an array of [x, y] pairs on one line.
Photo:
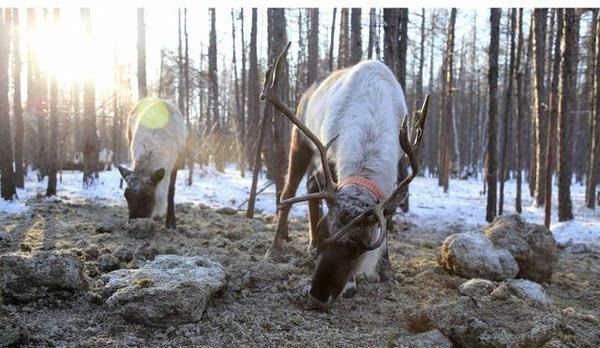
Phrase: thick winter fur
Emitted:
{"points": [[152, 149], [363, 106]]}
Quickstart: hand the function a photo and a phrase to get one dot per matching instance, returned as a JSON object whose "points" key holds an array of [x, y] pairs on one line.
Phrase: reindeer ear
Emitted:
{"points": [[124, 172], [157, 176]]}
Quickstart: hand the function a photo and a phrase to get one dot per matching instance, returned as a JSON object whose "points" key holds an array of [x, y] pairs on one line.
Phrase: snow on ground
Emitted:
{"points": [[463, 205]]}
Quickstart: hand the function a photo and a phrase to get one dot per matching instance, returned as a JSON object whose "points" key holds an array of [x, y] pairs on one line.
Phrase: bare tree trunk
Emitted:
{"points": [[332, 40], [403, 46], [539, 96], [90, 150], [213, 75], [493, 113], [238, 120], [567, 94], [594, 159], [446, 117], [253, 92], [279, 133], [17, 104], [243, 91], [356, 36], [180, 77], [552, 115], [520, 113], [313, 47], [343, 41], [507, 109], [141, 52], [53, 156], [420, 96], [372, 32], [7, 175]]}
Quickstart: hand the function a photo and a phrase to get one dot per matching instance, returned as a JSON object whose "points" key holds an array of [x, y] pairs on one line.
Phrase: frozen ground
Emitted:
{"points": [[463, 206]]}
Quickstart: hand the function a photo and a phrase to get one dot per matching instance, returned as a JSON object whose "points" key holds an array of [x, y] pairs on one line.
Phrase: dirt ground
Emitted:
{"points": [[261, 306]]}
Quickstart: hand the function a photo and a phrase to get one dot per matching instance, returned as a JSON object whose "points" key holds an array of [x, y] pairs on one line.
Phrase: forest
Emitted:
{"points": [[488, 232]]}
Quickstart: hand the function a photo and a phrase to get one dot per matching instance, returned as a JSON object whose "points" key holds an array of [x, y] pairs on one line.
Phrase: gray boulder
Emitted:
{"points": [[141, 228], [524, 289], [477, 287], [25, 277], [533, 246], [472, 255], [433, 338], [171, 290]]}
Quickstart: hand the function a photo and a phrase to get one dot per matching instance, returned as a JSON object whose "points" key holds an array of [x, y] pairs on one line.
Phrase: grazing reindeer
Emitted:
{"points": [[356, 113], [157, 137]]}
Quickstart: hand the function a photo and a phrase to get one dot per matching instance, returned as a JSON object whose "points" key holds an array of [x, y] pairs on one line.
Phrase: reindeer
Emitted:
{"points": [[157, 138], [351, 122]]}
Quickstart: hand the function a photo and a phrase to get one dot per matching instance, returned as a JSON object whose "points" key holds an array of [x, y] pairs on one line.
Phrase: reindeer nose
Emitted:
{"points": [[315, 303]]}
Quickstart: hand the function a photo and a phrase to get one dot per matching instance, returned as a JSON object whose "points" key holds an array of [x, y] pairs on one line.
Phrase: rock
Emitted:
{"points": [[533, 246], [472, 255], [433, 338], [27, 277], [123, 253], [108, 262], [171, 290], [528, 291], [477, 287], [141, 228], [104, 227], [145, 252], [576, 247], [12, 333], [5, 239], [490, 323], [226, 211], [92, 252]]}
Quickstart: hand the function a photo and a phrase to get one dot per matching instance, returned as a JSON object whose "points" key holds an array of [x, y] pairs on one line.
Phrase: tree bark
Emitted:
{"points": [[54, 136], [332, 40], [343, 41], [521, 103], [239, 121], [493, 112], [507, 109], [90, 150], [566, 103], [141, 54], [253, 93], [594, 159], [372, 26], [446, 117], [356, 36], [7, 175], [553, 103], [313, 47], [539, 101], [17, 103]]}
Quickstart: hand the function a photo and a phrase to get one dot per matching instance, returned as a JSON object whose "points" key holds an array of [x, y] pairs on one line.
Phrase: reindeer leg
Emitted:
{"points": [[170, 221], [299, 160]]}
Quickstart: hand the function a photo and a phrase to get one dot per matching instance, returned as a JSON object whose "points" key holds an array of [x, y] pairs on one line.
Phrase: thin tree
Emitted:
{"points": [[343, 58], [420, 95], [90, 148], [508, 98], [495, 14], [403, 45], [521, 103], [553, 114], [253, 94], [17, 103], [243, 87], [372, 33], [7, 175], [566, 103], [53, 155], [239, 121], [41, 113], [539, 101], [141, 54], [180, 79], [594, 159], [355, 36], [313, 47], [212, 70], [446, 117], [332, 40]]}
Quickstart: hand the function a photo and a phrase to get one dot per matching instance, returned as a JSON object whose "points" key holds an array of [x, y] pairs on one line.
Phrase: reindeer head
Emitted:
{"points": [[140, 191], [355, 222]]}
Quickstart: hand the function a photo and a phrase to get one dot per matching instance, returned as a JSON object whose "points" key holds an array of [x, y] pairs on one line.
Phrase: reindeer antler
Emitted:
{"points": [[269, 94], [387, 207]]}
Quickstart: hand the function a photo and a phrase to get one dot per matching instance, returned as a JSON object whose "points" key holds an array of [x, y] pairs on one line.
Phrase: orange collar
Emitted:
{"points": [[364, 182]]}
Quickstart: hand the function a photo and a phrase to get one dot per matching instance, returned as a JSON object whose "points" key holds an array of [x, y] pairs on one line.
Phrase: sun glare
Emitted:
{"points": [[62, 49]]}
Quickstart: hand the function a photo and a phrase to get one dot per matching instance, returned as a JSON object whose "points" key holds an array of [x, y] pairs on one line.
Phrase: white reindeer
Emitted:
{"points": [[157, 136], [357, 113]]}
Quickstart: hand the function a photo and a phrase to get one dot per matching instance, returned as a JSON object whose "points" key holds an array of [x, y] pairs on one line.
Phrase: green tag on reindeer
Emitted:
{"points": [[153, 113]]}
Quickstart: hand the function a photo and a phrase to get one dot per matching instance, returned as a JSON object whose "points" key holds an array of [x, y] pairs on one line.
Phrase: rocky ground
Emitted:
{"points": [[262, 303]]}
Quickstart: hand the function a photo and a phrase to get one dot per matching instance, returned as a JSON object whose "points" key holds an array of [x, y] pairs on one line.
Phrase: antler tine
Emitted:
{"points": [[269, 94]]}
